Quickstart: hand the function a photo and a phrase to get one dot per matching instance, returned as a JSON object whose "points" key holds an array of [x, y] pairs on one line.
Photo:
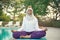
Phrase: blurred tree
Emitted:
{"points": [[57, 2], [4, 17], [56, 6], [21, 18], [0, 9], [3, 2], [39, 6], [18, 5]]}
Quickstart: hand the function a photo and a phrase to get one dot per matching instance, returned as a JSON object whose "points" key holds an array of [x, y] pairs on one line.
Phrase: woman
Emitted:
{"points": [[30, 28]]}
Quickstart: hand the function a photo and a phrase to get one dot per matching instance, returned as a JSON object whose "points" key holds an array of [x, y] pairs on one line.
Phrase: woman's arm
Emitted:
{"points": [[39, 29], [20, 29]]}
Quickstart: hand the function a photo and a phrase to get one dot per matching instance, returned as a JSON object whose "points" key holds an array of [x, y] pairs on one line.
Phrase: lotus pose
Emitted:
{"points": [[30, 28]]}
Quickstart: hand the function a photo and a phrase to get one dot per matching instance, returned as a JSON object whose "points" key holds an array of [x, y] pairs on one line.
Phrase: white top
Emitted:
{"points": [[30, 25]]}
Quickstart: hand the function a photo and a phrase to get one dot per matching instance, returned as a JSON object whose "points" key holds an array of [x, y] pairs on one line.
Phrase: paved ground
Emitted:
{"points": [[53, 33]]}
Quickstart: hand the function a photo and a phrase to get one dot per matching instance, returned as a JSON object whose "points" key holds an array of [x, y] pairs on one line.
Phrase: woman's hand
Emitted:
{"points": [[13, 30], [44, 28]]}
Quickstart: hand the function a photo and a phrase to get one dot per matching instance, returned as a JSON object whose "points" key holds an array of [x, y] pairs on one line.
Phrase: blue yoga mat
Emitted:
{"points": [[44, 38]]}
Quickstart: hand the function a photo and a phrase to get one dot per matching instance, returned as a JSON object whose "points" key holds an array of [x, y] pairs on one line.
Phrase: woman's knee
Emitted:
{"points": [[38, 34], [16, 35], [41, 33]]}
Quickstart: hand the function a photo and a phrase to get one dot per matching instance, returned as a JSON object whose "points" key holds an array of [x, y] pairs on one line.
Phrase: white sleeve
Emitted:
{"points": [[37, 26], [23, 24]]}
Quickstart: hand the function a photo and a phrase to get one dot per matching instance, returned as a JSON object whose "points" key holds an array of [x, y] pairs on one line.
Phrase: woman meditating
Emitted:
{"points": [[30, 27]]}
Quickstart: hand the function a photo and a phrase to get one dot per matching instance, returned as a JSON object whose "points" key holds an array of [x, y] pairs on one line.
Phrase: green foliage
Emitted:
{"points": [[0, 12], [0, 9], [21, 17], [52, 23], [4, 17], [39, 6], [48, 23], [55, 23]]}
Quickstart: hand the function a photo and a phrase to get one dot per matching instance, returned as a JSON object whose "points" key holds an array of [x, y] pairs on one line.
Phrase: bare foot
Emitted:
{"points": [[21, 36], [27, 36]]}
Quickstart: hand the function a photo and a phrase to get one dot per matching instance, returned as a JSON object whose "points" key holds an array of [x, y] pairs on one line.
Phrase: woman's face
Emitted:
{"points": [[30, 12]]}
